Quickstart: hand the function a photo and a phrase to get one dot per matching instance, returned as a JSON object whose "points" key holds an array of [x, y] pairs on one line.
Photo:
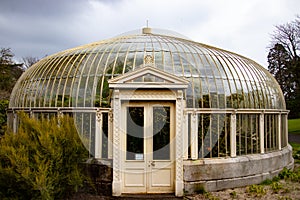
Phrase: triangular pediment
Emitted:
{"points": [[148, 77]]}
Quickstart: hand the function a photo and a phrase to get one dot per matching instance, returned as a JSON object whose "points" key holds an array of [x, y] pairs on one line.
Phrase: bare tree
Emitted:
{"points": [[288, 35], [6, 56], [29, 61], [284, 62]]}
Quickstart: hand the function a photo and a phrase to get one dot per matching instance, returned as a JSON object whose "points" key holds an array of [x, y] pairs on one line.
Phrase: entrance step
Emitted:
{"points": [[148, 197]]}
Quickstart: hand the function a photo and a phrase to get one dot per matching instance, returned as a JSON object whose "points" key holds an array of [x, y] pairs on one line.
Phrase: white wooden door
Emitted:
{"points": [[148, 156]]}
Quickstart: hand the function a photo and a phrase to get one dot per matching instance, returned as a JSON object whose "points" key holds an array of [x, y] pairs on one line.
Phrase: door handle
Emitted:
{"points": [[151, 163]]}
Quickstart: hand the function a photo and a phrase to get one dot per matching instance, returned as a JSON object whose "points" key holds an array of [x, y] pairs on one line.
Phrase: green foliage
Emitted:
{"points": [[267, 182], [3, 116], [288, 174], [276, 187], [296, 151], [200, 190], [257, 190], [233, 194], [9, 72], [42, 160]]}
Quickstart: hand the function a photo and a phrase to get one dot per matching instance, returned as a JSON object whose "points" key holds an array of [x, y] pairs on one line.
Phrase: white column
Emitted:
{"points": [[262, 132], [185, 136], [98, 135], [179, 186], [279, 131], [233, 134], [286, 129], [117, 182], [15, 122], [110, 135], [194, 136]]}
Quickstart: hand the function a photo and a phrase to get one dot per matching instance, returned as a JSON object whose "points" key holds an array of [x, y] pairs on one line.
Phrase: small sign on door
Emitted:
{"points": [[139, 156]]}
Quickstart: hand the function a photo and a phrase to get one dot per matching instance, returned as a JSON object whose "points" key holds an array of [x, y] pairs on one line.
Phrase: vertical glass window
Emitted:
{"points": [[135, 133], [213, 135], [161, 133], [247, 134], [271, 132], [104, 135], [204, 136], [283, 130]]}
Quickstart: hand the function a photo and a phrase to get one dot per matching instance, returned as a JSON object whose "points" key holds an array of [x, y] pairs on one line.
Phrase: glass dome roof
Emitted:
{"points": [[78, 77]]}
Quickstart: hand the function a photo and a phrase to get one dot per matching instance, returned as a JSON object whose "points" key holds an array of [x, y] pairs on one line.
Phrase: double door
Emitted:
{"points": [[148, 147]]}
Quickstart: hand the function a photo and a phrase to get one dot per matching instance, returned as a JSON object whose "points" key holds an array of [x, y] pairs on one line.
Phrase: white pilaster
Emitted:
{"points": [[98, 135], [233, 135], [110, 135], [194, 136], [185, 136], [279, 131], [179, 186], [117, 182], [262, 132]]}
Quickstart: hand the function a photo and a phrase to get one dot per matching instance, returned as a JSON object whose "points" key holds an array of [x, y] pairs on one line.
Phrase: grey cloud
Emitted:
{"points": [[39, 27], [41, 8]]}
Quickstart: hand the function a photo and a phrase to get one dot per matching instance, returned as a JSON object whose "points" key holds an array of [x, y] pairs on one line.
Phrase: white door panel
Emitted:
{"points": [[148, 158]]}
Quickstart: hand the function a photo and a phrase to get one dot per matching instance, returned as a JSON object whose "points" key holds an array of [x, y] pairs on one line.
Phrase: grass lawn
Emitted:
{"points": [[294, 126]]}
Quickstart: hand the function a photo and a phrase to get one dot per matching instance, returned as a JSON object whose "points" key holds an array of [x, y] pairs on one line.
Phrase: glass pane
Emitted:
{"points": [[135, 133], [104, 135], [161, 133]]}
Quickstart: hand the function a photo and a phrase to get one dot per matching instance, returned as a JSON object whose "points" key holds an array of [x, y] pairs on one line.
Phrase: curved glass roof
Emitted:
{"points": [[78, 77]]}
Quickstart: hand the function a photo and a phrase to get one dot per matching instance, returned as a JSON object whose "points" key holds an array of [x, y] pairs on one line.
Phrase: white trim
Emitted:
{"points": [[179, 185], [279, 132], [194, 136], [171, 81], [262, 132], [233, 135], [171, 88], [98, 135]]}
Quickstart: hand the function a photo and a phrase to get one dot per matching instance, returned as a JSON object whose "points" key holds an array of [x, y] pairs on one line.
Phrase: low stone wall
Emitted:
{"points": [[100, 174], [223, 173]]}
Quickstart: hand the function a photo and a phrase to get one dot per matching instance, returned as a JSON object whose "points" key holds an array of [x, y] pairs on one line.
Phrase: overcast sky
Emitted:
{"points": [[42, 27]]}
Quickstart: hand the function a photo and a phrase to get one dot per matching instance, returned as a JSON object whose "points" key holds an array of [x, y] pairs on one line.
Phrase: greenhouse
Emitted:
{"points": [[168, 114]]}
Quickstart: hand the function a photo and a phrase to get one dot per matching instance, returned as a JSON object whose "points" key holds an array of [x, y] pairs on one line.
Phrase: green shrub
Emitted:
{"points": [[288, 174], [3, 116], [266, 182], [257, 190], [233, 194], [276, 187], [42, 160]]}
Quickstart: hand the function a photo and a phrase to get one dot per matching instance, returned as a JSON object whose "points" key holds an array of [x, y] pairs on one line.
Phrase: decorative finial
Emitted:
{"points": [[147, 30], [149, 60]]}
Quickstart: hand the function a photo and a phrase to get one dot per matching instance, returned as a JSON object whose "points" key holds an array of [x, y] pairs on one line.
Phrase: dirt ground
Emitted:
{"points": [[289, 191]]}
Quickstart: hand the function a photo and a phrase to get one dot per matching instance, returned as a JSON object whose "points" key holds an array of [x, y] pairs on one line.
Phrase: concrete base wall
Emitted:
{"points": [[223, 173]]}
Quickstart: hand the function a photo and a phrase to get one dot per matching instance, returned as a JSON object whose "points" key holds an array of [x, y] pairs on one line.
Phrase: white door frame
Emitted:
{"points": [[125, 88], [145, 174]]}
